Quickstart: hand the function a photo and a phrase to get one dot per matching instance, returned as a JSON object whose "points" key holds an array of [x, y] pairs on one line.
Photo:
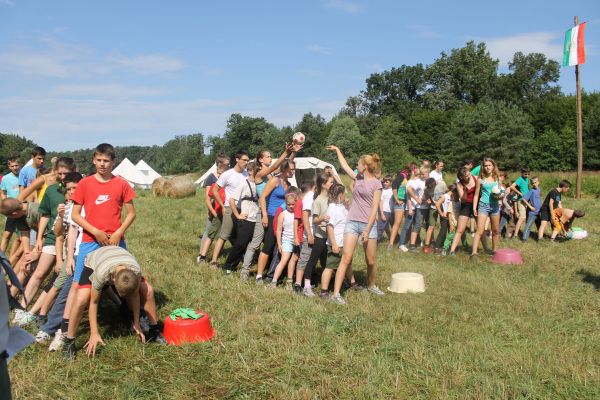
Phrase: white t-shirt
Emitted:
{"points": [[287, 233], [338, 215], [436, 175], [386, 197], [418, 186], [231, 180], [307, 202], [69, 219], [447, 203], [248, 206]]}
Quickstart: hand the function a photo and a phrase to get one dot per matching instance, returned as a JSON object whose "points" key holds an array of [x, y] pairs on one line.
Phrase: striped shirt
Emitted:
{"points": [[104, 261]]}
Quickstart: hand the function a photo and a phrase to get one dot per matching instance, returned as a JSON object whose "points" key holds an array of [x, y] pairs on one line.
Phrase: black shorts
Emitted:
{"points": [[545, 214], [10, 225], [466, 210]]}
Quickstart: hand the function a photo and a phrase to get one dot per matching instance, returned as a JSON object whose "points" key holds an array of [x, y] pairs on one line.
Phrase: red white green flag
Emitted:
{"points": [[573, 51]]}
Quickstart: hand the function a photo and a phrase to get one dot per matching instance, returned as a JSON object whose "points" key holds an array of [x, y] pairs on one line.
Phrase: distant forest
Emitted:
{"points": [[458, 107]]}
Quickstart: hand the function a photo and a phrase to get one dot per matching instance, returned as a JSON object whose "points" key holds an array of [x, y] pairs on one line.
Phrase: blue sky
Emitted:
{"points": [[77, 73]]}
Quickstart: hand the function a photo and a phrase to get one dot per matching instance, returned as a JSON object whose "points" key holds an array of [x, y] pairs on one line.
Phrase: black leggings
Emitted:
{"points": [[245, 230], [441, 237], [269, 242], [319, 252]]}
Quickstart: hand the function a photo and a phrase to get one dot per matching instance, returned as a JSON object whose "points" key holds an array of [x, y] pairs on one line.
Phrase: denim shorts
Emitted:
{"points": [[287, 246], [488, 209], [357, 228], [399, 207]]}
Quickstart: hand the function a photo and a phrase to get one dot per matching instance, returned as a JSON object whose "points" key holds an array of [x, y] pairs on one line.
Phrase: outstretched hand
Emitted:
{"points": [[92, 343], [332, 148]]}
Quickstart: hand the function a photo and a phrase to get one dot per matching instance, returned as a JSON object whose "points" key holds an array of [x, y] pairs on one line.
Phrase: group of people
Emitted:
{"points": [[253, 203], [71, 234], [71, 228]]}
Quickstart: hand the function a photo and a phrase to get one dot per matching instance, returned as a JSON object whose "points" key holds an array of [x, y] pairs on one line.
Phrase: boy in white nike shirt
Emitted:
{"points": [[103, 196]]}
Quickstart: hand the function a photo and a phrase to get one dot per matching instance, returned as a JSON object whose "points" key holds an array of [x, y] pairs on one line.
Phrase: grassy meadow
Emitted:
{"points": [[479, 331]]}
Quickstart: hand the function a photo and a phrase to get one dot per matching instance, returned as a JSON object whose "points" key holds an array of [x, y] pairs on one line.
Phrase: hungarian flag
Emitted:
{"points": [[573, 52]]}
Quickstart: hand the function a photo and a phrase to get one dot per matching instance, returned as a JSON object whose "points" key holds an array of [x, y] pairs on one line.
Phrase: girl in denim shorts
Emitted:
{"points": [[486, 203]]}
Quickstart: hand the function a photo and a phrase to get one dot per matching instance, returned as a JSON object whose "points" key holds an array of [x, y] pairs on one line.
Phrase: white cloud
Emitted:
{"points": [[149, 64], [344, 5], [59, 123], [317, 48], [105, 91], [31, 63], [424, 31], [504, 48]]}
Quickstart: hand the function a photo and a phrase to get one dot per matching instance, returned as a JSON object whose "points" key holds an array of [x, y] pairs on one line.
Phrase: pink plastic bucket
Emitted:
{"points": [[507, 256]]}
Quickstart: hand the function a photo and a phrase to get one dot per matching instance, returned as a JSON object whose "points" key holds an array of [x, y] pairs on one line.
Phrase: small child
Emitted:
{"points": [[286, 236], [215, 214], [443, 207], [533, 201], [308, 239], [337, 212], [439, 190], [385, 210], [521, 187], [507, 210], [562, 218], [552, 201]]}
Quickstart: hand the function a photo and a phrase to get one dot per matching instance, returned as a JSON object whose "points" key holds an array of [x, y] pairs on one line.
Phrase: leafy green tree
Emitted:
{"points": [[14, 145], [316, 130], [467, 75], [389, 141], [532, 76], [489, 129], [554, 151], [346, 135]]}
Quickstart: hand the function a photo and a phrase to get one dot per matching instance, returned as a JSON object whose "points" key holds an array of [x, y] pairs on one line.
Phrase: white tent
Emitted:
{"points": [[131, 174], [306, 169], [150, 174]]}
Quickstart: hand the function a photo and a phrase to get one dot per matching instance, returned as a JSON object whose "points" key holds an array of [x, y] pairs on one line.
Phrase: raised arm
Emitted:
{"points": [[343, 163], [288, 153]]}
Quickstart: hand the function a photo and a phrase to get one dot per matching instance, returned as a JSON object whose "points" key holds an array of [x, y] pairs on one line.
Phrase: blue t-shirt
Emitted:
{"points": [[275, 199], [534, 197], [10, 184], [27, 175]]}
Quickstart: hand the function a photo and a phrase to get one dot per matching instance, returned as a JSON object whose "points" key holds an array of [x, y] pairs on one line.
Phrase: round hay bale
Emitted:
{"points": [[179, 187], [158, 187]]}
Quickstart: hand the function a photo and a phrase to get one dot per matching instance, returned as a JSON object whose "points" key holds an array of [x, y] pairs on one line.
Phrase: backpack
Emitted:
{"points": [[253, 197]]}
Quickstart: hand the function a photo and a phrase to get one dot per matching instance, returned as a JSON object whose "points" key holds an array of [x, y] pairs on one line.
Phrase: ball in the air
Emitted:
{"points": [[298, 138]]}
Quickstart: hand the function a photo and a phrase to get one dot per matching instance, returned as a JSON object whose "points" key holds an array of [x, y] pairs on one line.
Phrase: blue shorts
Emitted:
{"points": [[488, 209], [399, 207], [287, 246], [86, 248], [357, 228]]}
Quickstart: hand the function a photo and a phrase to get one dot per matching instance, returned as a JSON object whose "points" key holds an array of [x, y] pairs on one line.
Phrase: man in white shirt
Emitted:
{"points": [[230, 180]]}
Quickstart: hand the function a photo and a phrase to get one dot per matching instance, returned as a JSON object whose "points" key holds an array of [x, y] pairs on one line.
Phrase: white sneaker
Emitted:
{"points": [[376, 291], [403, 248], [307, 291], [25, 319], [42, 337], [17, 316], [58, 341]]}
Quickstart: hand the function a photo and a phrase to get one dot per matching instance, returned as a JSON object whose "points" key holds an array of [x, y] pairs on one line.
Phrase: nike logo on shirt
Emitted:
{"points": [[103, 198]]}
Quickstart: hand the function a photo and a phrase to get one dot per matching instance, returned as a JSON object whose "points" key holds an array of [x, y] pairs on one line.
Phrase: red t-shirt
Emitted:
{"points": [[215, 203], [103, 202]]}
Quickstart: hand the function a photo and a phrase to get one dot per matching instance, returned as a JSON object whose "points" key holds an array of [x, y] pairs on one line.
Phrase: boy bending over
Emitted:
{"points": [[111, 265]]}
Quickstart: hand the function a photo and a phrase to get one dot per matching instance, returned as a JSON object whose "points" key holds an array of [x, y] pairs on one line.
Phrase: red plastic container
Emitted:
{"points": [[507, 256], [181, 331]]}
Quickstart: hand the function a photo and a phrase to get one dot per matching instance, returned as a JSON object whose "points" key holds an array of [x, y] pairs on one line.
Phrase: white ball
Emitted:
{"points": [[298, 138], [496, 190]]}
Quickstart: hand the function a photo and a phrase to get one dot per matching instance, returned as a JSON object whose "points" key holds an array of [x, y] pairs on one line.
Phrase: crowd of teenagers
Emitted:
{"points": [[70, 232], [254, 204], [71, 235]]}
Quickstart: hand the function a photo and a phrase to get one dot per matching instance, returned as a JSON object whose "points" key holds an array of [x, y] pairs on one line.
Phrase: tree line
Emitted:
{"points": [[458, 107]]}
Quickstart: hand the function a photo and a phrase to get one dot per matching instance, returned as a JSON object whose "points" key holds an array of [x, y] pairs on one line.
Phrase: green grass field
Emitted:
{"points": [[479, 331]]}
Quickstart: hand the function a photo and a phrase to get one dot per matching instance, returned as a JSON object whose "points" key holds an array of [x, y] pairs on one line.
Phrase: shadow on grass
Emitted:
{"points": [[590, 278]]}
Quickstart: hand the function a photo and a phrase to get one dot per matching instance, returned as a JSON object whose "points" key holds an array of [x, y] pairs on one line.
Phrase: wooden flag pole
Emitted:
{"points": [[579, 131]]}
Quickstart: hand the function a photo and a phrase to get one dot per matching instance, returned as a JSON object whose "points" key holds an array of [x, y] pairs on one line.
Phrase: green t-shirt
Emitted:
{"points": [[48, 208], [319, 208], [523, 185], [475, 170]]}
